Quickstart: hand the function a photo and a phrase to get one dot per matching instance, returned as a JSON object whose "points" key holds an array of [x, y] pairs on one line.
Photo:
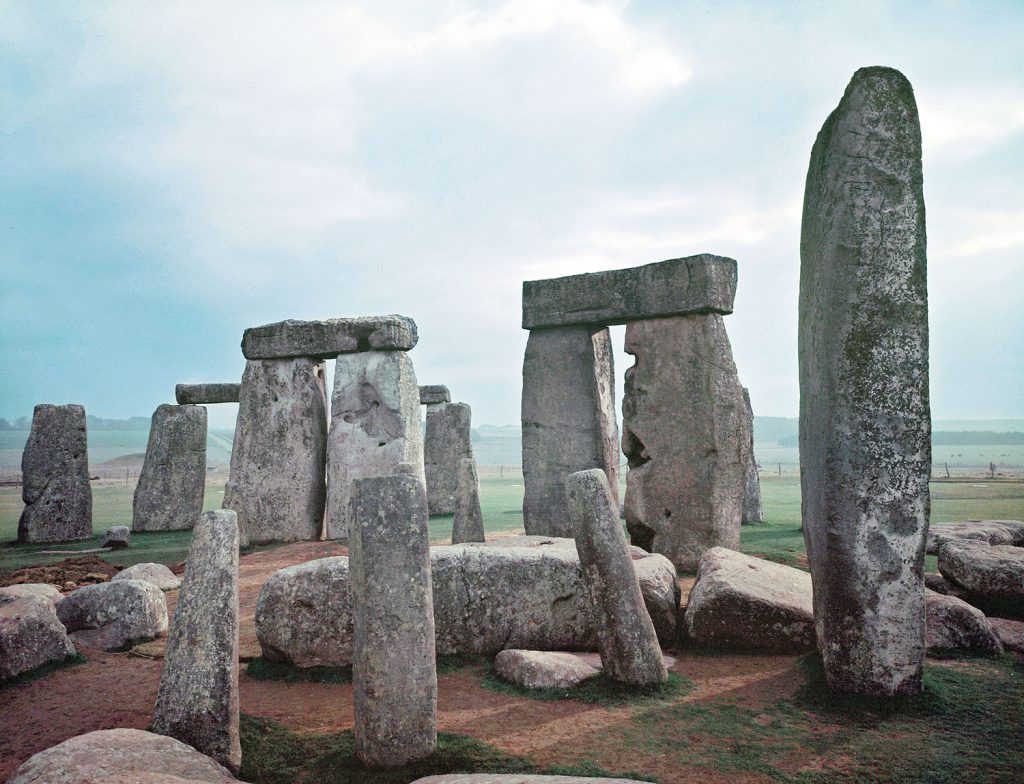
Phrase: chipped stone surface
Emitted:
{"points": [[152, 573], [114, 614], [446, 441], [55, 477], [277, 485], [30, 634], [546, 669], [200, 394], [394, 678], [685, 435], [198, 698], [375, 426], [988, 571], [568, 419], [169, 495], [865, 426], [117, 537], [432, 394], [677, 287], [1008, 532], [953, 625], [752, 511], [625, 634], [327, 339], [468, 522]]}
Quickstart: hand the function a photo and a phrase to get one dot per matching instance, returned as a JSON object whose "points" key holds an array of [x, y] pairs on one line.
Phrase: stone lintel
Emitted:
{"points": [[434, 393], [328, 339], [200, 394]]}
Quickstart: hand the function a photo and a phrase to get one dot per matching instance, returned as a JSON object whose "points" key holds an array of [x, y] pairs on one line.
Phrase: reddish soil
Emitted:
{"points": [[69, 574]]}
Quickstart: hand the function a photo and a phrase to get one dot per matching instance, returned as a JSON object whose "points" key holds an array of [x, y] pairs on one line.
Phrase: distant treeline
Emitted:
{"points": [[91, 423], [950, 438]]}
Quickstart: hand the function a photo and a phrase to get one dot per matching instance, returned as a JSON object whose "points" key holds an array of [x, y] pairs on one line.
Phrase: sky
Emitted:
{"points": [[172, 173]]}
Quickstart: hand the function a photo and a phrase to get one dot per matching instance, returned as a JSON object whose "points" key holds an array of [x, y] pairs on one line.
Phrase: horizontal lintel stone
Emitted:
{"points": [[434, 393], [329, 338], [199, 394], [695, 284]]}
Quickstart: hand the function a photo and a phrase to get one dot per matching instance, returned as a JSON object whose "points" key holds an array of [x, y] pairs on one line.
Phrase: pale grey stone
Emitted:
{"points": [[446, 441], [327, 339], [121, 756], [546, 669], [752, 511], [865, 426], [42, 590], [739, 601], [468, 523], [677, 287], [152, 573], [984, 570], [201, 394], [432, 394], [953, 625], [277, 484], [375, 426], [515, 778], [169, 495], [198, 698], [568, 418], [117, 537], [114, 614], [55, 477], [625, 634], [685, 434], [30, 634], [1008, 532], [394, 679], [1009, 632]]}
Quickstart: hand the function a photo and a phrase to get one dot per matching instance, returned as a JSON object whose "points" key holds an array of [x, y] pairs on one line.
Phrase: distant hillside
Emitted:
{"points": [[784, 431]]}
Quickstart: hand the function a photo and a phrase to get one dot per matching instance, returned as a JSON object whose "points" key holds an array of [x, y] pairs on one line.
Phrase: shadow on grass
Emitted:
{"points": [[600, 690], [265, 670]]}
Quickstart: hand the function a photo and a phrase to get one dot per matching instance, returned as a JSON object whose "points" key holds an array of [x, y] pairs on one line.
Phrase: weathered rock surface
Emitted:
{"points": [[114, 614], [865, 425], [739, 601], [152, 573], [199, 394], [169, 495], [394, 678], [277, 485], [30, 634], [327, 339], [55, 477], [625, 634], [198, 698], [568, 419], [1009, 632], [43, 590], [677, 287], [117, 537], [432, 394], [752, 511], [446, 441], [1007, 532], [468, 523], [685, 435], [988, 571], [124, 756], [375, 426], [515, 778], [546, 669], [953, 625]]}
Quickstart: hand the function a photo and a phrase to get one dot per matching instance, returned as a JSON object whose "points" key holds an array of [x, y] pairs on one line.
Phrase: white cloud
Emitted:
{"points": [[967, 125]]}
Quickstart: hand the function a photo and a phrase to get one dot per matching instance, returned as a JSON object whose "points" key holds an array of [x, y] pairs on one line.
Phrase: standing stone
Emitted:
{"points": [[447, 440], [277, 484], [865, 427], [468, 525], [55, 477], [394, 678], [568, 420], [685, 435], [169, 495], [198, 698], [375, 426], [752, 512], [628, 644]]}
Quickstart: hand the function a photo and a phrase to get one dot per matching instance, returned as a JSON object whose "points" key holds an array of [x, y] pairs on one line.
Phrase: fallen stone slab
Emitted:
{"points": [[739, 601], [952, 624], [432, 394], [120, 755], [327, 339], [984, 570], [200, 394], [114, 614], [152, 573], [1009, 632], [546, 669], [1005, 532], [30, 635], [43, 590], [515, 778], [677, 287], [117, 537], [169, 495]]}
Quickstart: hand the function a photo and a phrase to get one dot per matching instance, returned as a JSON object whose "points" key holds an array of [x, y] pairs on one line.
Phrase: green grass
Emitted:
{"points": [[599, 690], [43, 670], [264, 670]]}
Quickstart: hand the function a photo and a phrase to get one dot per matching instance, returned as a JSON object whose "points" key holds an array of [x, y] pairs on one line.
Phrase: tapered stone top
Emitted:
{"points": [[327, 339], [198, 394], [434, 393], [677, 287]]}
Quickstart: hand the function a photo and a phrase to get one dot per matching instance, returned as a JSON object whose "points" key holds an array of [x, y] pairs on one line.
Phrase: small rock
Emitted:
{"points": [[952, 624], [1009, 532], [989, 571], [114, 614], [1009, 632], [42, 590], [546, 669], [30, 635], [117, 537], [152, 573]]}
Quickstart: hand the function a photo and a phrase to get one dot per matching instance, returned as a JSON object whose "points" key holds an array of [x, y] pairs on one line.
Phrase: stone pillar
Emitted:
{"points": [[568, 417], [198, 698], [468, 525], [55, 477], [375, 426], [630, 652], [752, 512], [277, 483], [685, 436], [865, 426], [394, 677], [169, 495], [447, 440]]}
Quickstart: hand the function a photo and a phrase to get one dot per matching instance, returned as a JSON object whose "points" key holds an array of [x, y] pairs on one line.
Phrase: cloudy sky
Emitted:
{"points": [[171, 173]]}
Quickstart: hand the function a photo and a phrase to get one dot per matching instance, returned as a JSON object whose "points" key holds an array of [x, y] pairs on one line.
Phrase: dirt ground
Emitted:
{"points": [[119, 690]]}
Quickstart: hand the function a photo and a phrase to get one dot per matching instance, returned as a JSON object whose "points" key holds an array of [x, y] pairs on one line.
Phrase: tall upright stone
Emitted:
{"points": [[55, 477], [865, 440], [630, 652], [446, 441], [197, 702], [752, 511], [394, 676], [277, 484], [169, 495], [568, 418], [375, 426], [685, 435], [468, 523]]}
